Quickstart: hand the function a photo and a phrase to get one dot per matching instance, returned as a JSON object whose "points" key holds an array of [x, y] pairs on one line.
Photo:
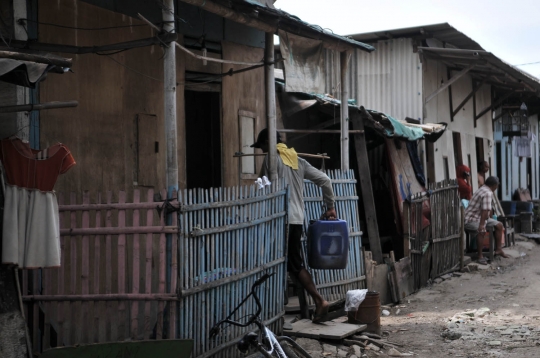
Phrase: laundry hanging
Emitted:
{"points": [[31, 228]]}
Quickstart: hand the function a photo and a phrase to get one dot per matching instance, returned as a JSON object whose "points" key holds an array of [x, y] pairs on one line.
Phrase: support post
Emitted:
{"points": [[270, 103], [367, 190], [344, 56], [171, 130]]}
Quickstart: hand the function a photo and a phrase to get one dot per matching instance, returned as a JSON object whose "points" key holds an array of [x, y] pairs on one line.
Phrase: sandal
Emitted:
{"points": [[321, 317], [482, 261]]}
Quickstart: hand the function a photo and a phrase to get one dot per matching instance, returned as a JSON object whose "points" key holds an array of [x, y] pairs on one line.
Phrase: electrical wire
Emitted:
{"points": [[80, 28], [530, 63]]}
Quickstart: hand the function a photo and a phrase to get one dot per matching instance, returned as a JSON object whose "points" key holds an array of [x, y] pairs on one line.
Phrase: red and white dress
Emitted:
{"points": [[31, 227]]}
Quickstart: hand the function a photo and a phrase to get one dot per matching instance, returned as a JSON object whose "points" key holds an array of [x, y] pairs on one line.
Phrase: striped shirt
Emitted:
{"points": [[480, 201]]}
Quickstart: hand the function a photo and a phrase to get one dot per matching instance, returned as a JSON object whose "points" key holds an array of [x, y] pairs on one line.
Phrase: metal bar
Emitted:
{"points": [[449, 82], [38, 107]]}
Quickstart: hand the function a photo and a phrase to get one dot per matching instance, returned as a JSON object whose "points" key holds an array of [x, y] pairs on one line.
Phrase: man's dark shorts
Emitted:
{"points": [[295, 262]]}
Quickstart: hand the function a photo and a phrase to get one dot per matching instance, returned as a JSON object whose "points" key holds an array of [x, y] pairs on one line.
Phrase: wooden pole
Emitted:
{"points": [[49, 60], [299, 154], [315, 131], [344, 56], [37, 107], [270, 103], [169, 90], [365, 185]]}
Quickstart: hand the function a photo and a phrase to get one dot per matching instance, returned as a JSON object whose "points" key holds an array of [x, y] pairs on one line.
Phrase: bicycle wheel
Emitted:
{"points": [[294, 352]]}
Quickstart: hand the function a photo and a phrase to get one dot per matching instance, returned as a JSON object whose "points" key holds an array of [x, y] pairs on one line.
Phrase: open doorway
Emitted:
{"points": [[203, 140]]}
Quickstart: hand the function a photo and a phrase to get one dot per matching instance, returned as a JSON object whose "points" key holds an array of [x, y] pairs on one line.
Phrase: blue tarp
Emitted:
{"points": [[400, 130]]}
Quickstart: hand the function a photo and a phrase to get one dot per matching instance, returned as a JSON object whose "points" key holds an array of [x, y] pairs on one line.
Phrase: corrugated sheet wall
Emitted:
{"points": [[388, 80]]}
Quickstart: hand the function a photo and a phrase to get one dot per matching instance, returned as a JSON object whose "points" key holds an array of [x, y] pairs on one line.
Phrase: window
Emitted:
{"points": [[446, 168], [246, 123]]}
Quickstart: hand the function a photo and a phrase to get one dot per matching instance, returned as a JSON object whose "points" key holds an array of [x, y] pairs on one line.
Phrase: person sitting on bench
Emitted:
{"points": [[477, 217]]}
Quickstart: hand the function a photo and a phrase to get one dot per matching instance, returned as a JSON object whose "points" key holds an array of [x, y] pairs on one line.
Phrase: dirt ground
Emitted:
{"points": [[450, 318]]}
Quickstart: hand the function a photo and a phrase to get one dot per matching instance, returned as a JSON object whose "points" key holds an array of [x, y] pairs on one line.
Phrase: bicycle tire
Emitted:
{"points": [[289, 350]]}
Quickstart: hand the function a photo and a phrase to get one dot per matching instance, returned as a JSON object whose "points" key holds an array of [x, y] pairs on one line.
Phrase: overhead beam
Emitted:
{"points": [[494, 105], [37, 107], [469, 96], [46, 59], [449, 82]]}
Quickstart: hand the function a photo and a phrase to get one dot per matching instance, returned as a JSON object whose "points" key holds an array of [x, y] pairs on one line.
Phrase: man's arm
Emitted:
{"points": [[322, 180], [483, 218]]}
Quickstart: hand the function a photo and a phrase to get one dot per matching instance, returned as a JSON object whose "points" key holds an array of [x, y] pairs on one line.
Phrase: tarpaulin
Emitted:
{"points": [[304, 63]]}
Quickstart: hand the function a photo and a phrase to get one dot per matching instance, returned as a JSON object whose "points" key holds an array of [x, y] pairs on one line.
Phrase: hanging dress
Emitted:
{"points": [[31, 227]]}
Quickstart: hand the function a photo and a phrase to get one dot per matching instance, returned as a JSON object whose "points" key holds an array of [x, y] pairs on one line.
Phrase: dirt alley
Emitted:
{"points": [[441, 321]]}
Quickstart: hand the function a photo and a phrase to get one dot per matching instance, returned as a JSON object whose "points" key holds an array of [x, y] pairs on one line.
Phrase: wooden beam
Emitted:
{"points": [[39, 58], [80, 50], [37, 107], [469, 97], [365, 184], [445, 85], [494, 105]]}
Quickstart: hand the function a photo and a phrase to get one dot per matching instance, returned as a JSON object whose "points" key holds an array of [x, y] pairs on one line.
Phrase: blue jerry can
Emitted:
{"points": [[328, 244]]}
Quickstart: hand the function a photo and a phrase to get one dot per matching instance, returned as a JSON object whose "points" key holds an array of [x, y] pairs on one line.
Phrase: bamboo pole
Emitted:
{"points": [[318, 131], [344, 57], [299, 154]]}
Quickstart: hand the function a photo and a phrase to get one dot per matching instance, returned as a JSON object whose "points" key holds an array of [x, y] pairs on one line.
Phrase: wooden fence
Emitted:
{"points": [[435, 249], [228, 238], [334, 284], [111, 285]]}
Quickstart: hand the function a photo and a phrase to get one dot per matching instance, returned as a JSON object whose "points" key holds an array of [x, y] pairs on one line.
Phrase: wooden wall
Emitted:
{"points": [[243, 91], [114, 93]]}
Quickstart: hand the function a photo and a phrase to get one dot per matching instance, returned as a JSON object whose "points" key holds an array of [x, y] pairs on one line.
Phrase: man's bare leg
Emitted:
{"points": [[499, 240], [479, 243], [321, 305]]}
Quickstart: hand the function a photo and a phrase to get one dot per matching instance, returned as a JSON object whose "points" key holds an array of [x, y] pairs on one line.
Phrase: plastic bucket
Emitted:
{"points": [[368, 313]]}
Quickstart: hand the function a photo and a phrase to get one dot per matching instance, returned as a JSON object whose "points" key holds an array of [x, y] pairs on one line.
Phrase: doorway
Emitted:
{"points": [[203, 140]]}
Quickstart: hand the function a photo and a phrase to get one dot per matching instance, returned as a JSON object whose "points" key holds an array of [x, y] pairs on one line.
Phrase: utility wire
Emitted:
{"points": [[21, 21], [530, 63]]}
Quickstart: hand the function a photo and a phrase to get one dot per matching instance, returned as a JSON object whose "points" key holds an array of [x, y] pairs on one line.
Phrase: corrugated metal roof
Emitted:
{"points": [[487, 67], [443, 32]]}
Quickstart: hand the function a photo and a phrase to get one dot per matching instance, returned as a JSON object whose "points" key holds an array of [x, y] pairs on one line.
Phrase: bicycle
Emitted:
{"points": [[264, 341]]}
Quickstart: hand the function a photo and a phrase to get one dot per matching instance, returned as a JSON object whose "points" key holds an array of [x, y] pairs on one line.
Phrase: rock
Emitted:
{"points": [[494, 343], [309, 344], [482, 312], [438, 280], [501, 328], [329, 348], [342, 353], [385, 313], [397, 311], [373, 347], [357, 350], [451, 334], [526, 245], [354, 356], [392, 352], [508, 332], [512, 253], [472, 267], [465, 269], [446, 277], [483, 267], [457, 274]]}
